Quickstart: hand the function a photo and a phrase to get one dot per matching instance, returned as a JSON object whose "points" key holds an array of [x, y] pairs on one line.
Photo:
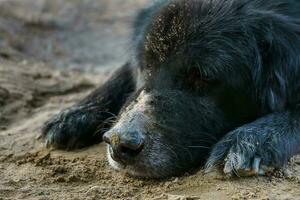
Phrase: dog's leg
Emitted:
{"points": [[84, 123], [259, 147]]}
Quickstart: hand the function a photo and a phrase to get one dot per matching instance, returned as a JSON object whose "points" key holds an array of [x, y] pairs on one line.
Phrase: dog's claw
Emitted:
{"points": [[256, 164], [253, 169]]}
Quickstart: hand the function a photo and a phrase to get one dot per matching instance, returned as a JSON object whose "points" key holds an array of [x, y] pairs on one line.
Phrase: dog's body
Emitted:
{"points": [[208, 77]]}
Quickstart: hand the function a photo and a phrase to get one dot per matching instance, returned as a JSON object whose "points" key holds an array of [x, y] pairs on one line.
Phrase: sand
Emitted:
{"points": [[45, 67]]}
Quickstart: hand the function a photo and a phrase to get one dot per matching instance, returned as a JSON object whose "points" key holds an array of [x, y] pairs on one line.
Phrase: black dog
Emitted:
{"points": [[208, 77]]}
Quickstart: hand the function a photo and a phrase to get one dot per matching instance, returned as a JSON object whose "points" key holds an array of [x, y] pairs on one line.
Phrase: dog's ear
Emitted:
{"points": [[277, 66]]}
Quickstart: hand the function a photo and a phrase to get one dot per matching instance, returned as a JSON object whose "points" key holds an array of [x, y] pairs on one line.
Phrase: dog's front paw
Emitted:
{"points": [[75, 127], [247, 151]]}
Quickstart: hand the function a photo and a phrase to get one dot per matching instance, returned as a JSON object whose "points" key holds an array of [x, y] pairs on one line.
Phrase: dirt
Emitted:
{"points": [[52, 53]]}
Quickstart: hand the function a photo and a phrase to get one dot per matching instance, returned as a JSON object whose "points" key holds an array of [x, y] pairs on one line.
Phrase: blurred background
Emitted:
{"points": [[78, 34]]}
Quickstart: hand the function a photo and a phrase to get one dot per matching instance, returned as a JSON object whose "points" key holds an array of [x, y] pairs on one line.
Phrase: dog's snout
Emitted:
{"points": [[124, 146]]}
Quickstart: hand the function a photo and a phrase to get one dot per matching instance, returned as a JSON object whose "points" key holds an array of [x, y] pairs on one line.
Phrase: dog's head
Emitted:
{"points": [[203, 68]]}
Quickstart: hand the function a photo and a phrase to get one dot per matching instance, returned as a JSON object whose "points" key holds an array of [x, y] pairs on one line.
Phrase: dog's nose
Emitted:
{"points": [[124, 146]]}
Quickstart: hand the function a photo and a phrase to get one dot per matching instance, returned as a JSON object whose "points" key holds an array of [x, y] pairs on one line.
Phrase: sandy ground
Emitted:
{"points": [[52, 53]]}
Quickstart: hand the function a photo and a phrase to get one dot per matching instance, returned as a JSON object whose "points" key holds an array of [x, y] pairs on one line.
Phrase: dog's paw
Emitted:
{"points": [[75, 127], [246, 152]]}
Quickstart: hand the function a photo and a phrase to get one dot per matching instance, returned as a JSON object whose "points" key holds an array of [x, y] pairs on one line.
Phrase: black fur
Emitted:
{"points": [[223, 76]]}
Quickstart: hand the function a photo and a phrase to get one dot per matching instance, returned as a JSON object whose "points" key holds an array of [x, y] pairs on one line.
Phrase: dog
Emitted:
{"points": [[209, 83]]}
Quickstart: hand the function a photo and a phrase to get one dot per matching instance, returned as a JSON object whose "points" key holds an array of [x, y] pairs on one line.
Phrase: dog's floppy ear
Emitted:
{"points": [[277, 66]]}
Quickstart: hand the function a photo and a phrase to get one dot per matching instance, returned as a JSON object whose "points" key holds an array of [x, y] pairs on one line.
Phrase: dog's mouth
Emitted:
{"points": [[132, 168], [120, 159], [113, 161]]}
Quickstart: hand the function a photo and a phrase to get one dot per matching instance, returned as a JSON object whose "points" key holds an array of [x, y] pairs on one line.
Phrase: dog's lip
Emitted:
{"points": [[112, 155]]}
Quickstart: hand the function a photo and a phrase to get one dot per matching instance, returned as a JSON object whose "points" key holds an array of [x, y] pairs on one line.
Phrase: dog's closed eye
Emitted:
{"points": [[196, 80]]}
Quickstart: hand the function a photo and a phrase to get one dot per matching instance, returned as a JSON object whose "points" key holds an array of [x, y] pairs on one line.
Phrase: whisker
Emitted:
{"points": [[195, 147]]}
